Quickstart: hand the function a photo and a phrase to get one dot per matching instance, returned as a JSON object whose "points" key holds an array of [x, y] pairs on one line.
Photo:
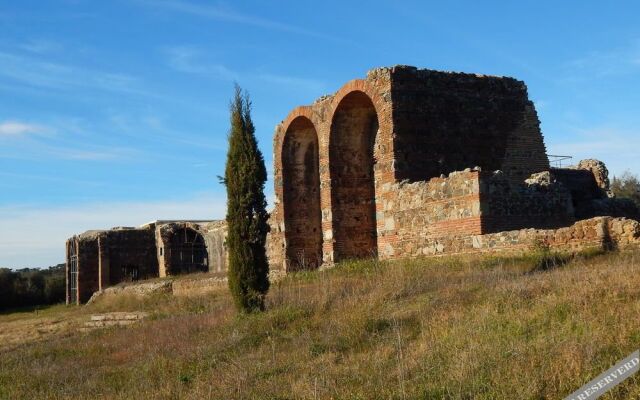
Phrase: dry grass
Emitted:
{"points": [[453, 328]]}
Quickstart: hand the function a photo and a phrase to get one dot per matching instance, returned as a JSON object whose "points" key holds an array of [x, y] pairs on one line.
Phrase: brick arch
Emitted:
{"points": [[186, 250], [358, 85], [301, 111], [351, 148], [299, 158]]}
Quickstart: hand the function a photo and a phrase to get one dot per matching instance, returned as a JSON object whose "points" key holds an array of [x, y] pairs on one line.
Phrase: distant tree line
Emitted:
{"points": [[627, 186], [32, 287]]}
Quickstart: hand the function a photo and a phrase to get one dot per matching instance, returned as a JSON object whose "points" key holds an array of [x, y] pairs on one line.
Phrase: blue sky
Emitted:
{"points": [[116, 112]]}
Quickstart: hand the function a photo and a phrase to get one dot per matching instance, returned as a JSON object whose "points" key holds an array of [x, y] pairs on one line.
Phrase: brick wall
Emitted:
{"points": [[397, 124], [126, 251], [599, 233], [88, 267], [106, 258], [507, 205], [416, 212], [447, 122]]}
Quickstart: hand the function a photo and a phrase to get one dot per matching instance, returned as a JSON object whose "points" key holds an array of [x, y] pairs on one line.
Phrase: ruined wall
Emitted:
{"points": [[212, 234], [129, 254], [301, 192], [397, 124], [275, 244], [215, 234], [420, 211], [447, 122], [597, 233], [351, 150], [355, 161], [539, 202], [588, 183], [88, 266], [107, 258]]}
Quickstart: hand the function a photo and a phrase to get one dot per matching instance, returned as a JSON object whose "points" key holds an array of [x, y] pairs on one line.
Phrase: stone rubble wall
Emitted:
{"points": [[588, 182], [419, 211], [198, 286], [399, 123], [105, 257], [539, 202], [446, 122], [597, 233]]}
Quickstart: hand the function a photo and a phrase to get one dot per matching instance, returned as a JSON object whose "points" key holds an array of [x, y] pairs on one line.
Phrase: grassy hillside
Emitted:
{"points": [[454, 328]]}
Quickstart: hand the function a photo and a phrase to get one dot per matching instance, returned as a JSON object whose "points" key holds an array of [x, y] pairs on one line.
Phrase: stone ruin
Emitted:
{"points": [[406, 162], [411, 162], [102, 258]]}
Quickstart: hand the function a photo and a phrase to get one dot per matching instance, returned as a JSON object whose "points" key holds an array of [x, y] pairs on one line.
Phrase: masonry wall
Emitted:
{"points": [[355, 161], [447, 122], [507, 206], [213, 234], [106, 258], [128, 254], [418, 212], [88, 267], [596, 233], [398, 124]]}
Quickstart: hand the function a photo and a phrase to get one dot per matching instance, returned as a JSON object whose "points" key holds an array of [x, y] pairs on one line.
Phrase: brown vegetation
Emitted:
{"points": [[455, 328]]}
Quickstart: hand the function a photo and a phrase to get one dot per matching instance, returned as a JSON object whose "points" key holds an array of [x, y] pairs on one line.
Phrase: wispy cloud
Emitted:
{"points": [[17, 128], [226, 14], [191, 60], [41, 151], [65, 140], [41, 46], [46, 178], [34, 236], [313, 85], [35, 72], [602, 63]]}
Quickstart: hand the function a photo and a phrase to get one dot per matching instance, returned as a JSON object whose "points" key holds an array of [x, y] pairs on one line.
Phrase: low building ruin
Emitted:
{"points": [[405, 162], [102, 258]]}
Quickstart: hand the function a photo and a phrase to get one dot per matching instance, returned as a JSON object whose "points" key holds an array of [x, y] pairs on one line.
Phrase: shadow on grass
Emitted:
{"points": [[29, 309], [544, 259]]}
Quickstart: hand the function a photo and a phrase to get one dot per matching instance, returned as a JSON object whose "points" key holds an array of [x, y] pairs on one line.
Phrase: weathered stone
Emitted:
{"points": [[100, 259]]}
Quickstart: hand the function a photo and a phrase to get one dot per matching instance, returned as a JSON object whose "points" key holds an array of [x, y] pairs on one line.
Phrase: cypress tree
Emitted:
{"points": [[245, 175]]}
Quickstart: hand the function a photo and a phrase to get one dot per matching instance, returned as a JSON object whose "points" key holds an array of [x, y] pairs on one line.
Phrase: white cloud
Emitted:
{"points": [[190, 59], [602, 63], [35, 237], [41, 46], [17, 128], [228, 15], [38, 73], [313, 85]]}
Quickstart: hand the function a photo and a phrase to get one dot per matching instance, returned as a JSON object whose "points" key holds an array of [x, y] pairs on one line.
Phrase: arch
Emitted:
{"points": [[187, 252], [301, 195], [354, 127]]}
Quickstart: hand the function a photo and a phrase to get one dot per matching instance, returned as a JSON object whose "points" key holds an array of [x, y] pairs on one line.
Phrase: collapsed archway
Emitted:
{"points": [[187, 252], [301, 195], [351, 145]]}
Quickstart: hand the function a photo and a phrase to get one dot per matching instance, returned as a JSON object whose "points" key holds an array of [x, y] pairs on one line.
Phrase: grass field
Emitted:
{"points": [[450, 328]]}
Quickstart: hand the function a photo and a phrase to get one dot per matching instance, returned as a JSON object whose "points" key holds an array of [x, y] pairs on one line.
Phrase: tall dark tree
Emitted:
{"points": [[245, 175]]}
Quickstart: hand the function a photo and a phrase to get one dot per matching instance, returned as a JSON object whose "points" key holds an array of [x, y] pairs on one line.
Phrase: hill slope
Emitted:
{"points": [[458, 328]]}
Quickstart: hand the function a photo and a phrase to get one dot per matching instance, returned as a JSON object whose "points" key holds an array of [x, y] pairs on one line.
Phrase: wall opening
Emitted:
{"points": [[187, 252], [351, 158], [301, 195], [73, 271], [130, 273]]}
